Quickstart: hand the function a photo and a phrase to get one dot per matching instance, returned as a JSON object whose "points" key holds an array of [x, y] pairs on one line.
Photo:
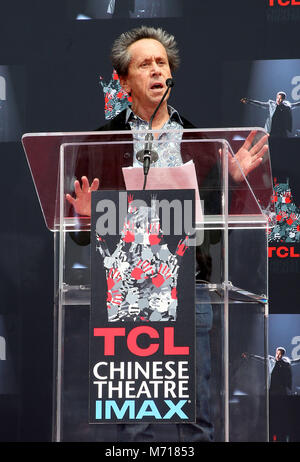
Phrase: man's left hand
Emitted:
{"points": [[248, 157]]}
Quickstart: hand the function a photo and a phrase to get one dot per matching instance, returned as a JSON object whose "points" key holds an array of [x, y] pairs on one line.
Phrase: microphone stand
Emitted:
{"points": [[147, 156]]}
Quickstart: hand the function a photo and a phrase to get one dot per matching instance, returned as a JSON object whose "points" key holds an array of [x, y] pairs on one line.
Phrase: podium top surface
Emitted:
{"points": [[104, 154]]}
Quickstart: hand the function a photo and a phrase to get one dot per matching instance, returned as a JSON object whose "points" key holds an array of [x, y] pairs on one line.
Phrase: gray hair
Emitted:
{"points": [[120, 55]]}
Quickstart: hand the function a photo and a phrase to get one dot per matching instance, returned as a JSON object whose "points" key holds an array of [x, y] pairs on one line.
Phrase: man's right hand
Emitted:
{"points": [[244, 100], [82, 200]]}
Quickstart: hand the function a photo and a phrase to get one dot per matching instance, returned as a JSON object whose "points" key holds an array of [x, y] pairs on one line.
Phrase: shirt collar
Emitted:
{"points": [[174, 115]]}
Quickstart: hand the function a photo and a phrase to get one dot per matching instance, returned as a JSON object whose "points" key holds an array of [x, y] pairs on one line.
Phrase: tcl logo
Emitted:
{"points": [[283, 252], [284, 2]]}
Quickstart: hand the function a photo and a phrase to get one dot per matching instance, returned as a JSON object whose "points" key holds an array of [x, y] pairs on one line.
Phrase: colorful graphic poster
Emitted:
{"points": [[287, 215], [142, 324]]}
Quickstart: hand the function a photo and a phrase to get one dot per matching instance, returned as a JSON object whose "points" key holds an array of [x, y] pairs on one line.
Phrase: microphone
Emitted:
{"points": [[146, 155], [169, 83]]}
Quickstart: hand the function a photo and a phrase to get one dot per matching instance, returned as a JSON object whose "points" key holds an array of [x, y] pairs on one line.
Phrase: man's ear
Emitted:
{"points": [[124, 84]]}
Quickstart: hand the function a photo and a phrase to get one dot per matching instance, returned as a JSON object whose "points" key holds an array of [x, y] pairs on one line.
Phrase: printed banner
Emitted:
{"points": [[142, 325]]}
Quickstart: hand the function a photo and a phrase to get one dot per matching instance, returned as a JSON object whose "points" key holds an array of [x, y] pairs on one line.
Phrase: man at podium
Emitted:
{"points": [[145, 59]]}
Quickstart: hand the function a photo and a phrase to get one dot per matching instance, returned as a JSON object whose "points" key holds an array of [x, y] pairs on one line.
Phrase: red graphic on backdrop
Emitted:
{"points": [[115, 98], [287, 215]]}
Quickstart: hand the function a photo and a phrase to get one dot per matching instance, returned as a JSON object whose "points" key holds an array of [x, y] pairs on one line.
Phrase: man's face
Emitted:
{"points": [[147, 74], [278, 355], [279, 98]]}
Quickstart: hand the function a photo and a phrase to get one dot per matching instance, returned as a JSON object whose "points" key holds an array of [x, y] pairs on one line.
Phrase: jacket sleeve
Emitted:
{"points": [[294, 105], [261, 104], [257, 358]]}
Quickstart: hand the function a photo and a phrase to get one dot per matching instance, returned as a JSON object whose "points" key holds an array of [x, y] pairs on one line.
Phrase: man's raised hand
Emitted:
{"points": [[82, 200]]}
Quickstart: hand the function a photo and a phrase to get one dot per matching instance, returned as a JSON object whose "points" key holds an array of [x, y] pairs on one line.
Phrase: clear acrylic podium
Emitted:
{"points": [[232, 268]]}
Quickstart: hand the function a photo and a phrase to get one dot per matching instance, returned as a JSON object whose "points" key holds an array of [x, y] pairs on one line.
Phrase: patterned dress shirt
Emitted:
{"points": [[167, 145]]}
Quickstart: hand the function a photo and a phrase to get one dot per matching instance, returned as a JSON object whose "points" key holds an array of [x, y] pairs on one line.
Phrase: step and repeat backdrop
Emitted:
{"points": [[56, 75]]}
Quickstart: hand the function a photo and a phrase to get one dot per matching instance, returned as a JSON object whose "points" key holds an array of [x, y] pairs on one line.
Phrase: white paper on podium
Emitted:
{"points": [[182, 177]]}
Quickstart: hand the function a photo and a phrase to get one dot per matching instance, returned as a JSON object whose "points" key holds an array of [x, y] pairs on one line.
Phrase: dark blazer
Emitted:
{"points": [[207, 169], [206, 159], [209, 181]]}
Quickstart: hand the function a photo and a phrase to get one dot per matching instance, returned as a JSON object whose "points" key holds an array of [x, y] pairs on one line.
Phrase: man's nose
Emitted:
{"points": [[155, 69]]}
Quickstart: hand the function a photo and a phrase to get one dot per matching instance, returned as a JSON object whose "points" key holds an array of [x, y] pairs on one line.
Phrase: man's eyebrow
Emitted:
{"points": [[149, 58]]}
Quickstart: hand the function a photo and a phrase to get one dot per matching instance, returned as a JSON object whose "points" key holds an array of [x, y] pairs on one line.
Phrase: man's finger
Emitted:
{"points": [[254, 164], [85, 184], [95, 184], [70, 199], [259, 145], [77, 187], [263, 151], [249, 140]]}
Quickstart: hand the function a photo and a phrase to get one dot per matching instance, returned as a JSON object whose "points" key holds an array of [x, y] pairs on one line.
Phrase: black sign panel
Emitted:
{"points": [[142, 353]]}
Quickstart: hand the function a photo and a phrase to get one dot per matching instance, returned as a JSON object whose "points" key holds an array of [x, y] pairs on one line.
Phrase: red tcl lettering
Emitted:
{"points": [[284, 2], [132, 341], [109, 337], [110, 334], [283, 252]]}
